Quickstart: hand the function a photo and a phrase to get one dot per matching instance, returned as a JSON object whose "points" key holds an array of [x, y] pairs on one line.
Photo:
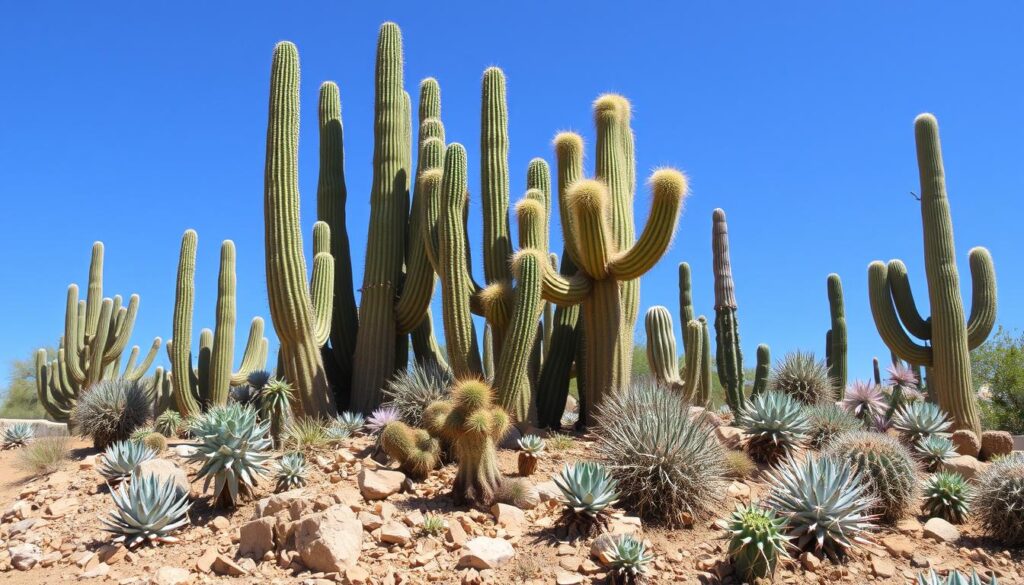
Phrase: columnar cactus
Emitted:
{"points": [[599, 212], [728, 355], [96, 332], [301, 314], [473, 424], [763, 371], [196, 389], [947, 356], [835, 350], [661, 354]]}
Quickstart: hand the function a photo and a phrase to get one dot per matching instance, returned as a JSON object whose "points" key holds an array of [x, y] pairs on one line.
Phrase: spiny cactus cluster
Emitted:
{"points": [[999, 500], [826, 422], [111, 411], [803, 377], [417, 452], [232, 447]]}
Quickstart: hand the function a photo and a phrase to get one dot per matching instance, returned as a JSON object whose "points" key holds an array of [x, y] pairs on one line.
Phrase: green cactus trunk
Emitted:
{"points": [[728, 355], [764, 368], [836, 351], [705, 359], [511, 379]]}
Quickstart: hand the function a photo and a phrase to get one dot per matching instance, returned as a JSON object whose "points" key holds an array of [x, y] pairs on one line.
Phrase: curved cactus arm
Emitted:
{"points": [[511, 379], [133, 356], [74, 323], [837, 362], [430, 188], [254, 355], [764, 366], [669, 189], [685, 300], [983, 297], [692, 372], [903, 298], [705, 352], [538, 177], [661, 346], [565, 291], [321, 294], [588, 204], [94, 292], [123, 330], [94, 373], [887, 321], [203, 365], [138, 372], [64, 389], [45, 387]]}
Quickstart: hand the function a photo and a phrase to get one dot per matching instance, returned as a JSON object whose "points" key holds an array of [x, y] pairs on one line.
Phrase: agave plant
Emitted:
{"points": [[887, 468], [947, 495], [18, 435], [530, 448], [999, 499], [587, 492], [169, 424], [827, 421], [757, 541], [121, 459], [147, 509], [918, 420], [775, 425], [141, 433], [953, 578], [232, 446], [864, 400], [291, 471], [825, 502], [803, 377], [412, 391], [380, 418], [628, 559], [669, 467], [337, 434], [935, 450], [351, 421], [569, 419]]}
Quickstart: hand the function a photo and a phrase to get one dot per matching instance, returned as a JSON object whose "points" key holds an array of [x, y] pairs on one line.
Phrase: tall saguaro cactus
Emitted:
{"points": [[301, 318], [728, 355], [596, 209], [835, 351], [207, 385], [96, 332], [951, 338]]}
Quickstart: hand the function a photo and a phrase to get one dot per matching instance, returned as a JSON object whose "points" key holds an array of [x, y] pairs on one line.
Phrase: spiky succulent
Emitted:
{"points": [[531, 444], [18, 435], [757, 541], [305, 433], [120, 460], [380, 418], [825, 502], [518, 492], [953, 578], [141, 433], [170, 424], [803, 377], [351, 421], [433, 524], [569, 419], [739, 465], [887, 467], [775, 425], [669, 467], [902, 387], [412, 391], [111, 410], [257, 379], [245, 395], [291, 471], [947, 495], [628, 559], [588, 489], [337, 434], [155, 441], [934, 450], [147, 509], [232, 446], [864, 400], [999, 499], [827, 421], [917, 420]]}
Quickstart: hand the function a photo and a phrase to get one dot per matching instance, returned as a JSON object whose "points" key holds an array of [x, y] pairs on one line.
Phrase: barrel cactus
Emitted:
{"points": [[775, 424], [148, 509], [757, 541], [803, 377], [233, 444], [886, 466], [999, 500], [947, 495]]}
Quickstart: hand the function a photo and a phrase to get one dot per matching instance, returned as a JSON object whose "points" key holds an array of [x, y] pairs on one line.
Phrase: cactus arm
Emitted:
{"points": [[661, 346], [669, 188], [569, 156], [705, 360], [533, 226], [74, 320], [887, 321], [764, 365], [203, 364], [223, 349], [321, 284], [553, 384], [331, 198], [903, 298], [96, 363], [728, 354], [695, 390], [180, 348], [685, 300], [254, 354], [565, 291], [983, 297], [511, 380], [837, 337], [133, 356], [94, 293], [494, 181], [588, 202], [538, 176], [122, 332], [463, 354], [138, 372]]}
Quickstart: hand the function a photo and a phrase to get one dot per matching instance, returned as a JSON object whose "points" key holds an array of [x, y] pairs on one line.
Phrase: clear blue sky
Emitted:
{"points": [[130, 122]]}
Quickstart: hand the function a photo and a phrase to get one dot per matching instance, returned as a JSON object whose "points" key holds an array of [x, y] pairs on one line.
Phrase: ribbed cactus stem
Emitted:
{"points": [[416, 451], [224, 331], [661, 347], [837, 335], [728, 355], [375, 357], [876, 371], [288, 292], [331, 198], [705, 361], [494, 175], [185, 397], [696, 392], [511, 378], [763, 369], [685, 299], [488, 353]]}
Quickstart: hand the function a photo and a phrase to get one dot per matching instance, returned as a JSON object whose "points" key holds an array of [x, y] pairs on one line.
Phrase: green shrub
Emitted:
{"points": [[44, 455], [998, 370]]}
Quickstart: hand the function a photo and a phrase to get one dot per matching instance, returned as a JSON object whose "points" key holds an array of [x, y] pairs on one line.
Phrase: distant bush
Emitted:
{"points": [[998, 370], [44, 455]]}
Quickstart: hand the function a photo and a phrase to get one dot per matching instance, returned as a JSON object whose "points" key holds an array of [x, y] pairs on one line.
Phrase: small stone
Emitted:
{"points": [[282, 501], [511, 518], [565, 550], [223, 565], [256, 537], [483, 552], [99, 570], [87, 463], [899, 546], [24, 556], [61, 507], [370, 521], [966, 442], [919, 562], [204, 564], [456, 534], [357, 575], [995, 443], [111, 554], [909, 527], [171, 576], [739, 490], [165, 469], [395, 533], [939, 530], [882, 567], [568, 579], [965, 465], [331, 540], [378, 485], [729, 437], [547, 491], [184, 451], [220, 524], [810, 562]]}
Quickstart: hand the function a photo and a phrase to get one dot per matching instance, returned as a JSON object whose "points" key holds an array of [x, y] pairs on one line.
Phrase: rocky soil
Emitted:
{"points": [[361, 523]]}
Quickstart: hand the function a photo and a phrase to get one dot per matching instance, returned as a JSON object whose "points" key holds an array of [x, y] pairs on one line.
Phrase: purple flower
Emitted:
{"points": [[864, 400], [902, 376], [381, 417]]}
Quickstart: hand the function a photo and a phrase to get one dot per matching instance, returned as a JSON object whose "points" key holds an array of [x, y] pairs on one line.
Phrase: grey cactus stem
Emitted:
{"points": [[728, 354]]}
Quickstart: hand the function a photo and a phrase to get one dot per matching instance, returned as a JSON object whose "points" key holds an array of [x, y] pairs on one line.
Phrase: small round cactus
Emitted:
{"points": [[803, 377], [155, 441], [887, 467], [416, 451], [530, 448], [775, 424], [999, 499], [947, 495], [170, 424], [291, 472], [757, 541], [827, 421]]}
